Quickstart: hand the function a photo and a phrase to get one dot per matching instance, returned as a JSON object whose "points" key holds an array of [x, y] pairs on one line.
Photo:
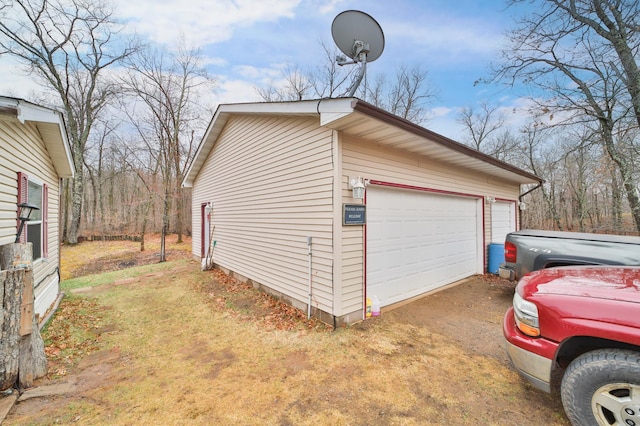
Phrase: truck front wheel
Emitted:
{"points": [[602, 387]]}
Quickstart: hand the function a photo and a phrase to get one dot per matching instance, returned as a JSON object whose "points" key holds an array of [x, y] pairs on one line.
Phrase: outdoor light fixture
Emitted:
{"points": [[522, 205], [490, 199], [358, 188], [23, 215]]}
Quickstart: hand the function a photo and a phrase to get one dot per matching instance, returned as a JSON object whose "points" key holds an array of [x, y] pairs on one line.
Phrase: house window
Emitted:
{"points": [[36, 229], [34, 225]]}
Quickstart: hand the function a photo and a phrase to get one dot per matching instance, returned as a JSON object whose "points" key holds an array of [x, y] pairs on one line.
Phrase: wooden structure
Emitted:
{"points": [[22, 357]]}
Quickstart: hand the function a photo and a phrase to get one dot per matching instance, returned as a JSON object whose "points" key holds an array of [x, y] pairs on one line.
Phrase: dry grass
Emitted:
{"points": [[189, 352], [100, 256]]}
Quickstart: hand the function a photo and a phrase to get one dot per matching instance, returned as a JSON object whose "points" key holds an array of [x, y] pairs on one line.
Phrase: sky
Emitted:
{"points": [[246, 43]]}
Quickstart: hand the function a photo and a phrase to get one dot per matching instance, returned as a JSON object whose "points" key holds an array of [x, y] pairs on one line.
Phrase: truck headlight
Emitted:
{"points": [[526, 315]]}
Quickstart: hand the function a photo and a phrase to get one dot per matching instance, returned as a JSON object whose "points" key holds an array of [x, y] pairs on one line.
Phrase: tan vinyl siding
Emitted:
{"points": [[395, 166], [270, 183], [23, 150], [352, 269]]}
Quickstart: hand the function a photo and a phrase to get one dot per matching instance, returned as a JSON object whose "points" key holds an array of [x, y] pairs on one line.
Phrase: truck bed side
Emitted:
{"points": [[545, 249]]}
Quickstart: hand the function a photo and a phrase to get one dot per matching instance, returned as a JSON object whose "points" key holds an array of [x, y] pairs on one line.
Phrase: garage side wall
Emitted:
{"points": [[370, 161], [269, 181], [23, 150]]}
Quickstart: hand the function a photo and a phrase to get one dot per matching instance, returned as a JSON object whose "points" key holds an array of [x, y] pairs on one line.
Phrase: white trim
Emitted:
{"points": [[338, 260], [47, 293]]}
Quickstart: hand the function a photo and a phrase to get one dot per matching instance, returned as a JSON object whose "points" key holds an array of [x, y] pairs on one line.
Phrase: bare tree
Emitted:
{"points": [[68, 45], [407, 94], [542, 160], [480, 125], [579, 164], [582, 52], [167, 87], [94, 159], [295, 85]]}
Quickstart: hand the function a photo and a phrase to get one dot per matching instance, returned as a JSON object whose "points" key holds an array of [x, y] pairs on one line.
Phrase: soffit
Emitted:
{"points": [[386, 130]]}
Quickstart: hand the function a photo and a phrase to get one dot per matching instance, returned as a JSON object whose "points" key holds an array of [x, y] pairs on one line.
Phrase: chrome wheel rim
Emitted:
{"points": [[617, 404]]}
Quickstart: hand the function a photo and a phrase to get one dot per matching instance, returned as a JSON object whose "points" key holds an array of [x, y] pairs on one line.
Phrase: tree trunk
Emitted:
{"points": [[22, 357], [625, 168], [77, 192], [10, 327], [179, 212], [165, 224]]}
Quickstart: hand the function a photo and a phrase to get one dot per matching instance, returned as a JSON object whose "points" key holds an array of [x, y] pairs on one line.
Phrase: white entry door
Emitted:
{"points": [[418, 241], [503, 220]]}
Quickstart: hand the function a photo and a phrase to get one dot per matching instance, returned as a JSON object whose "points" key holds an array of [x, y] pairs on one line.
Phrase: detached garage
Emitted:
{"points": [[273, 204]]}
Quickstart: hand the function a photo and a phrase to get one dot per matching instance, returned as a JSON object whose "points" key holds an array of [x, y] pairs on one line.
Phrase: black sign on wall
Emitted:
{"points": [[354, 214]]}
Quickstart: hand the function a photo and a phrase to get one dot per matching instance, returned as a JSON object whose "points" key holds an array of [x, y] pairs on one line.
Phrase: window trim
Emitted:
{"points": [[23, 196]]}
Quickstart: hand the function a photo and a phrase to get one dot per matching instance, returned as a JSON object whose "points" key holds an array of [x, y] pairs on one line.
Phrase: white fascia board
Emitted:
{"points": [[310, 107], [31, 112]]}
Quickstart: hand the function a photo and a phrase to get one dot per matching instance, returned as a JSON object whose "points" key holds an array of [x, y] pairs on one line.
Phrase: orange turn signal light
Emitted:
{"points": [[527, 329]]}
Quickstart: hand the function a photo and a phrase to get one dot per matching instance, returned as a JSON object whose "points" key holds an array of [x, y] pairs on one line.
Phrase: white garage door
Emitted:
{"points": [[419, 241]]}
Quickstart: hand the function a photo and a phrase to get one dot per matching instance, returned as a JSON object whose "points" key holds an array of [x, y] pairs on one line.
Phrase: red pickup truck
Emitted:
{"points": [[580, 325]]}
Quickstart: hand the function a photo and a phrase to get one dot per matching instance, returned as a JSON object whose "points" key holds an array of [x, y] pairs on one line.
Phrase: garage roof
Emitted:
{"points": [[367, 122]]}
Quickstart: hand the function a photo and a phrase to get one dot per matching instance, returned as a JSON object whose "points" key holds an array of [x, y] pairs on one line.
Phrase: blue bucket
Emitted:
{"points": [[496, 257]]}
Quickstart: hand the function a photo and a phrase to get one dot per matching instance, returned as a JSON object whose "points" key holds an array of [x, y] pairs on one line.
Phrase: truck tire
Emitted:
{"points": [[602, 387]]}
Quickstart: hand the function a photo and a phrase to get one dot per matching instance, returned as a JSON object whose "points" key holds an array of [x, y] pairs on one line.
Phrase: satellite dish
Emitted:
{"points": [[360, 37]]}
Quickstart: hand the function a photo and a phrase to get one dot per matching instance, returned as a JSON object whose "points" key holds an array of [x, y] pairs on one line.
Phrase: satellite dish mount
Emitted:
{"points": [[360, 37]]}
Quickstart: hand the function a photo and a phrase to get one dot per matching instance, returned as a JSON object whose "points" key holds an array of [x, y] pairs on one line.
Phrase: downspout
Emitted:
{"points": [[310, 280], [521, 205], [530, 191]]}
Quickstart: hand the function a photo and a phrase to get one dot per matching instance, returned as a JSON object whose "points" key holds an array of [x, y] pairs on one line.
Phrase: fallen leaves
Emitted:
{"points": [[243, 301], [70, 335]]}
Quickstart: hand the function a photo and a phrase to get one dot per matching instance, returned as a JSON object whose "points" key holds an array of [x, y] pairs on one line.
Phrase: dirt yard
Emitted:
{"points": [[169, 343]]}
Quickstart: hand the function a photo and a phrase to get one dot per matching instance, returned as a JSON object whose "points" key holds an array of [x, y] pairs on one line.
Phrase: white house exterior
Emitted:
{"points": [[268, 178], [34, 156]]}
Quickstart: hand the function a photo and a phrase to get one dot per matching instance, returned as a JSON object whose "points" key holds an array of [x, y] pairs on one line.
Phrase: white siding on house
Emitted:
{"points": [[270, 180], [374, 162], [23, 150]]}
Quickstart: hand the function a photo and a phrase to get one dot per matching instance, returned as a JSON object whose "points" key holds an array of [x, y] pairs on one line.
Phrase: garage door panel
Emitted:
{"points": [[418, 241]]}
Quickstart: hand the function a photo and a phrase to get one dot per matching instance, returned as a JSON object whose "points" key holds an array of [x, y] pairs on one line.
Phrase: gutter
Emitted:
{"points": [[530, 191]]}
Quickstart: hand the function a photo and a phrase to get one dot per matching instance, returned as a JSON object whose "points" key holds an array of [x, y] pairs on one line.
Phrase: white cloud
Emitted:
{"points": [[440, 111], [447, 39], [324, 6], [442, 120], [214, 61], [236, 91], [202, 22], [259, 75], [16, 83]]}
